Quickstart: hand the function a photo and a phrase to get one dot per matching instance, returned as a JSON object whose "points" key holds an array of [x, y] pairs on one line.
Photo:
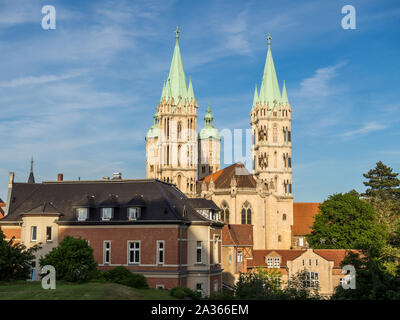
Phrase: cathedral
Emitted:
{"points": [[177, 154]]}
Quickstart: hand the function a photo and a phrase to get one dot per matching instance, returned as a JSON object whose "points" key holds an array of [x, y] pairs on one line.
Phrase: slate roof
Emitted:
{"points": [[303, 217], [201, 203], [222, 178], [237, 235], [162, 202]]}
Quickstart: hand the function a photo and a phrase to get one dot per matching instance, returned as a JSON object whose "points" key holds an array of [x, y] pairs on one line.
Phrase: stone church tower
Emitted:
{"points": [[209, 147], [171, 143], [271, 145]]}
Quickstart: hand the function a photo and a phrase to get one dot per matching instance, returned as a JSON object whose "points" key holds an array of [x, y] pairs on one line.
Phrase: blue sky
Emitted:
{"points": [[81, 98]]}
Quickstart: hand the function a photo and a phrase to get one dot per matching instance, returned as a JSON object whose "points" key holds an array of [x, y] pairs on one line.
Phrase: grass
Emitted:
{"points": [[27, 290]]}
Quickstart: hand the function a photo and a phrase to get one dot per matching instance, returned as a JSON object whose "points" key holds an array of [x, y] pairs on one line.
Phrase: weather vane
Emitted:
{"points": [[269, 38], [177, 33]]}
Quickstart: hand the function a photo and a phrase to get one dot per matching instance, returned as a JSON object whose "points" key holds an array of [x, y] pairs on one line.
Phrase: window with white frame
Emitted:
{"points": [[312, 280], [34, 233], [133, 213], [106, 213], [107, 252], [277, 262], [270, 262], [82, 214], [199, 250], [240, 256], [160, 252], [134, 252], [301, 241]]}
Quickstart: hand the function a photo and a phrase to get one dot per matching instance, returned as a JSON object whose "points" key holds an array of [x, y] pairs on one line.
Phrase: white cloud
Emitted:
{"points": [[365, 129], [32, 80], [319, 84]]}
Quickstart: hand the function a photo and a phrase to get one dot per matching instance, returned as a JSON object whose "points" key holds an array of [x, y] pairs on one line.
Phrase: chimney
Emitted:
{"points": [[10, 186], [60, 177], [117, 176]]}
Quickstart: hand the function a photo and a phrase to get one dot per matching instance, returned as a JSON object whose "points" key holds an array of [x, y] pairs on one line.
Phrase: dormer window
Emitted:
{"points": [[133, 213], [277, 262], [82, 214], [273, 262], [106, 213]]}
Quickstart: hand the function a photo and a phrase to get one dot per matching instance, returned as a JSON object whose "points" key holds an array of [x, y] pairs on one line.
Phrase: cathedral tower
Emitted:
{"points": [[272, 147], [209, 147], [171, 143]]}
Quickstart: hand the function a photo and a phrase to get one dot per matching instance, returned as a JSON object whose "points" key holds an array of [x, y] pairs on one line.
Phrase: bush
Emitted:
{"points": [[122, 275], [182, 293], [73, 260], [15, 259]]}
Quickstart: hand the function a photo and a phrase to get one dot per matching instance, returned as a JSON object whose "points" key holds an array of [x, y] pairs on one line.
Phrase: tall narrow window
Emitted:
{"points": [[160, 252], [275, 133], [240, 256], [107, 252], [225, 212], [199, 249], [33, 233], [246, 213], [49, 236], [134, 252], [216, 251]]}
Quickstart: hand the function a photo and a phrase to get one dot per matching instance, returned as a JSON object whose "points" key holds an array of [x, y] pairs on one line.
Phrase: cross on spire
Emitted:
{"points": [[269, 39], [32, 164], [177, 32]]}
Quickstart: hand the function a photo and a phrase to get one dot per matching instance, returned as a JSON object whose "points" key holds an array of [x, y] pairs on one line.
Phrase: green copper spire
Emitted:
{"points": [[269, 90], [209, 132], [255, 99], [176, 72], [285, 99], [190, 90]]}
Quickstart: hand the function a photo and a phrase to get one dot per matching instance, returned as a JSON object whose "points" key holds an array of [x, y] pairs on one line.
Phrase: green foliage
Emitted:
{"points": [[346, 222], [122, 275], [267, 285], [373, 281], [15, 259], [298, 288], [184, 293], [382, 183], [73, 260]]}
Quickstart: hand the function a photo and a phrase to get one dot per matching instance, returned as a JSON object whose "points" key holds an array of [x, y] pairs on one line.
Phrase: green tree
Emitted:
{"points": [[346, 222], [15, 259], [382, 183], [299, 288], [73, 260], [373, 281]]}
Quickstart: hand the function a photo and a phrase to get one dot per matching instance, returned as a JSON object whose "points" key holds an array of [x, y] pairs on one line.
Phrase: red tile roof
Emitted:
{"points": [[237, 235], [222, 178], [303, 217], [335, 255], [286, 255]]}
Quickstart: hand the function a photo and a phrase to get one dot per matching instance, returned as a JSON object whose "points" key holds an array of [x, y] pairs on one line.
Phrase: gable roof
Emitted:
{"points": [[201, 203], [286, 255], [222, 178], [303, 217], [163, 202], [237, 235], [335, 255]]}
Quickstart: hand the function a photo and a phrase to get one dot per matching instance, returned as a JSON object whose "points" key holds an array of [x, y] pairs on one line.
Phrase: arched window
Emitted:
{"points": [[179, 130], [275, 133], [225, 212], [179, 181], [246, 213]]}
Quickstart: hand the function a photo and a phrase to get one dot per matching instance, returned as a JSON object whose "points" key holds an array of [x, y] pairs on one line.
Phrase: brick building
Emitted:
{"points": [[148, 226]]}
